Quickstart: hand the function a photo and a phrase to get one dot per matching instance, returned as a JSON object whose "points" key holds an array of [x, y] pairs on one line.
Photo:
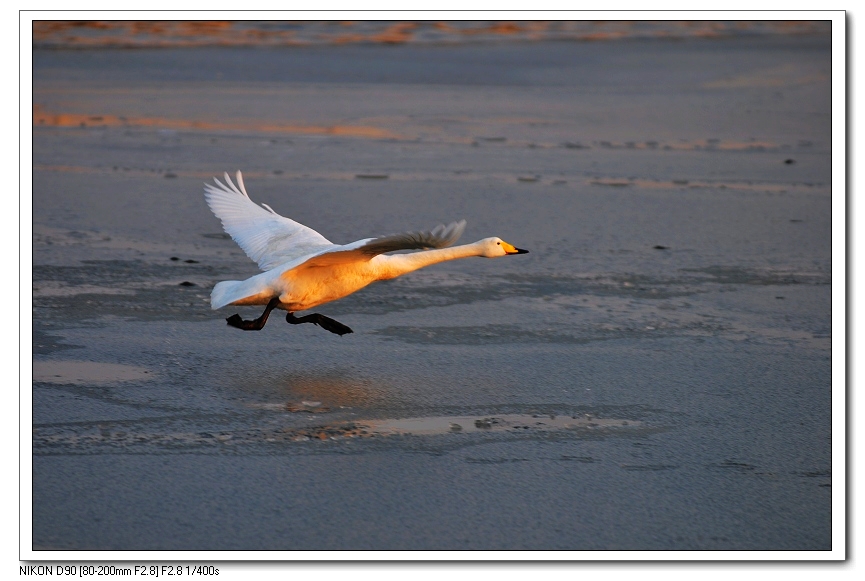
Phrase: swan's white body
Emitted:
{"points": [[303, 269]]}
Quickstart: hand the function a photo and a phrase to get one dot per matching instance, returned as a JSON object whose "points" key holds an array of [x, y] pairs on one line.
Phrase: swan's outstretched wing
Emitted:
{"points": [[361, 250], [266, 237]]}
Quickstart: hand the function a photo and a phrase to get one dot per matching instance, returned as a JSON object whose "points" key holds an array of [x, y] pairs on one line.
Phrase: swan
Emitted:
{"points": [[303, 269]]}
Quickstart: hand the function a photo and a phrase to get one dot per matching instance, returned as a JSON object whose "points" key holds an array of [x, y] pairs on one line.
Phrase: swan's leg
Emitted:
{"points": [[321, 321], [257, 324]]}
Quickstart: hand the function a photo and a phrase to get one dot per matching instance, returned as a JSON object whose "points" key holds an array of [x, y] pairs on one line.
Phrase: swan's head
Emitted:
{"points": [[494, 247]]}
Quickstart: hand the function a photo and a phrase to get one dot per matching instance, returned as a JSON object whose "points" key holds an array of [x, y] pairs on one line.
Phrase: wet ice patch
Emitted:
{"points": [[86, 372], [428, 426]]}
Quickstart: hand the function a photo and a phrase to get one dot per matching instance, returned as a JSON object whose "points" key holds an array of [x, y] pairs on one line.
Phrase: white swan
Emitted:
{"points": [[303, 269]]}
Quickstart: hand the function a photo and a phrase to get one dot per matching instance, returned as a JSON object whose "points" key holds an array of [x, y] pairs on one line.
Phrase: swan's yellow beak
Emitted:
{"points": [[511, 249]]}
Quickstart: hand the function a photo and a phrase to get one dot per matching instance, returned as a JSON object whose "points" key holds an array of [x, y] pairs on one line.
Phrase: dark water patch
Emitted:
{"points": [[823, 478], [648, 467], [735, 466], [581, 459], [496, 460], [745, 469], [45, 342]]}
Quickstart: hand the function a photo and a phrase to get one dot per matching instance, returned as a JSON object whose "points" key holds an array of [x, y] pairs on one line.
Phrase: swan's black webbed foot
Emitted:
{"points": [[236, 321], [256, 324], [320, 320]]}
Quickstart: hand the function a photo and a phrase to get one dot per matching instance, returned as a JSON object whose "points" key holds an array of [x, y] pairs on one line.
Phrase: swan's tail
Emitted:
{"points": [[226, 292]]}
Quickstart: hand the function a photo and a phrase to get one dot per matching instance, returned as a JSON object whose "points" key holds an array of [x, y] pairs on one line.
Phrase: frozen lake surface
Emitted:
{"points": [[654, 375]]}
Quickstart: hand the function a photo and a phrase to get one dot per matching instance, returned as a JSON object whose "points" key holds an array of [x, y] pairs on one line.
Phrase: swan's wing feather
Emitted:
{"points": [[266, 237], [363, 250], [439, 237]]}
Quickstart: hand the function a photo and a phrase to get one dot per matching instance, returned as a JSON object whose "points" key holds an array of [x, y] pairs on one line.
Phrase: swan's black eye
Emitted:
{"points": [[499, 243]]}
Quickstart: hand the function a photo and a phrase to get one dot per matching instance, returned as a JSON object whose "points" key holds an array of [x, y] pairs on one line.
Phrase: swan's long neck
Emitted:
{"points": [[399, 264]]}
